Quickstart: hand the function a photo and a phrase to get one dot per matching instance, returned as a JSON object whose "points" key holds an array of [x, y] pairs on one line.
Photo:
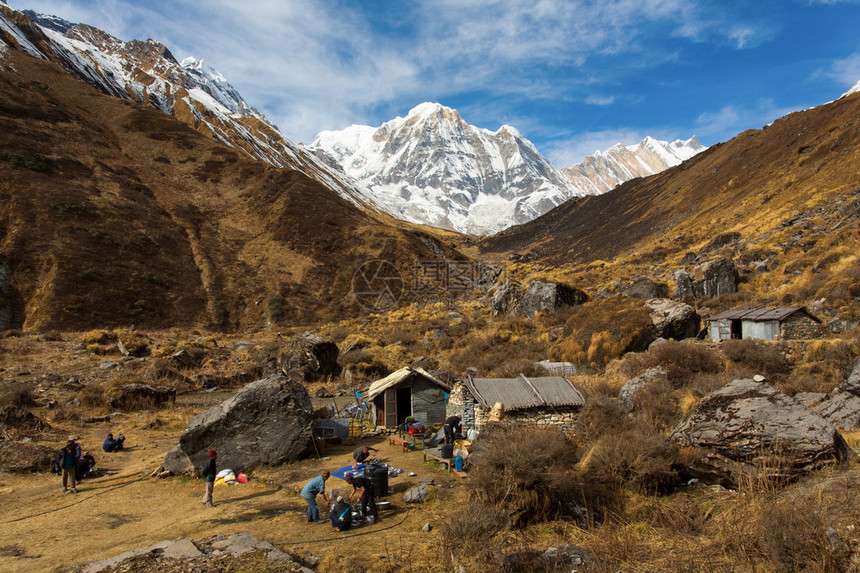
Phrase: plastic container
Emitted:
{"points": [[447, 450], [378, 474]]}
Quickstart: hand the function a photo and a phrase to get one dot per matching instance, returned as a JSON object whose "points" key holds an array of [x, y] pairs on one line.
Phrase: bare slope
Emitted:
{"points": [[758, 185], [112, 213]]}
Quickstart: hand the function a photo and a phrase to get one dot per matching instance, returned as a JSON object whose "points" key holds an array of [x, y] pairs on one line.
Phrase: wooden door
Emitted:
{"points": [[390, 407]]}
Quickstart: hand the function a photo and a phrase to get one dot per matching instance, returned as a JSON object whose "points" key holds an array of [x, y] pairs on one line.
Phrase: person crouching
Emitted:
{"points": [[341, 515]]}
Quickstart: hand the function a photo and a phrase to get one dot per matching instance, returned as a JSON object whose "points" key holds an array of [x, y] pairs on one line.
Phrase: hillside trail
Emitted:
{"points": [[45, 528]]}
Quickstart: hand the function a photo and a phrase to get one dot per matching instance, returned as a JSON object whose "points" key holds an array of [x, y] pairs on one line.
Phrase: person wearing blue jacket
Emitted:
{"points": [[310, 491], [68, 461]]}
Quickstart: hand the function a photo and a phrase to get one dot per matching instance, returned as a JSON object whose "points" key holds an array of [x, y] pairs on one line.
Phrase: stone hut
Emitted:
{"points": [[782, 323], [408, 392], [548, 401]]}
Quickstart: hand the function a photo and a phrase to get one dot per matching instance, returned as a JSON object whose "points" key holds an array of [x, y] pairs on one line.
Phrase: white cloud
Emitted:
{"points": [[569, 152], [846, 71], [727, 122], [600, 100]]}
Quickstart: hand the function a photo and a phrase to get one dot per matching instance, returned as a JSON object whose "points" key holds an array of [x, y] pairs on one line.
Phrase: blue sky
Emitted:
{"points": [[571, 76]]}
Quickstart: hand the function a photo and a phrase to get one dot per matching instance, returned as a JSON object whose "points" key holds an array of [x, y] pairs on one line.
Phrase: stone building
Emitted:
{"points": [[782, 323], [548, 401]]}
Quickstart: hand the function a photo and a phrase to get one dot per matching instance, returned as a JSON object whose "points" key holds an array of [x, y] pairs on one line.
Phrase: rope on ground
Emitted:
{"points": [[74, 503]]}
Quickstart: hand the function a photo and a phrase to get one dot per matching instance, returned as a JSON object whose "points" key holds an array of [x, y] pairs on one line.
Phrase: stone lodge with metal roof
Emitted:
{"points": [[781, 323], [543, 401]]}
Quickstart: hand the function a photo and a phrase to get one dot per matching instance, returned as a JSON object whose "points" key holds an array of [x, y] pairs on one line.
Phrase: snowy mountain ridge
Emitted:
{"points": [[433, 167], [191, 90]]}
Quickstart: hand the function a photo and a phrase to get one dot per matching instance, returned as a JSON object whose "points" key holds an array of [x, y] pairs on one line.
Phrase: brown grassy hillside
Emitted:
{"points": [[112, 213], [787, 195]]}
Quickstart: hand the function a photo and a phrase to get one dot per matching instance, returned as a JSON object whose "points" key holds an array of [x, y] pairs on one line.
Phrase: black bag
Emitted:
{"points": [[57, 464]]}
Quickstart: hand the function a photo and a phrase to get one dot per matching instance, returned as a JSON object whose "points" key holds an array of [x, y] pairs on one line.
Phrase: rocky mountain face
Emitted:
{"points": [[603, 171], [113, 213], [190, 90], [433, 167]]}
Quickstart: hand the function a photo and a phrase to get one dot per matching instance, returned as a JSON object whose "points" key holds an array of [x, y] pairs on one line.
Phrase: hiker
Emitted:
{"points": [[341, 515], [451, 426], [209, 477], [67, 460], [310, 491], [361, 454], [366, 497], [112, 444]]}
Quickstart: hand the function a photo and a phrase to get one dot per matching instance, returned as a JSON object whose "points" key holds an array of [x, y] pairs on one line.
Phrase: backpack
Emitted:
{"points": [[417, 428], [57, 464]]}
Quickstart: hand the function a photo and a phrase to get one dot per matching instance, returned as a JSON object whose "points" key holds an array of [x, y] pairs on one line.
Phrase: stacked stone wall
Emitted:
{"points": [[800, 327]]}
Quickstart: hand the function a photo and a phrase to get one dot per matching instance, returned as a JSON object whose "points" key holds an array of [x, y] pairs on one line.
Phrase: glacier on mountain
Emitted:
{"points": [[432, 167]]}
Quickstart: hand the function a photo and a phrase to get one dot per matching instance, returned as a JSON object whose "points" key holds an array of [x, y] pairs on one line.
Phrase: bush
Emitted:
{"points": [[603, 330], [523, 470], [470, 536], [639, 458], [757, 355], [796, 539], [18, 394], [682, 360]]}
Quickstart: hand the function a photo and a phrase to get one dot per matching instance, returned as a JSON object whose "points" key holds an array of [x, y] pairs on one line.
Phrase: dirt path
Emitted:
{"points": [[129, 510]]}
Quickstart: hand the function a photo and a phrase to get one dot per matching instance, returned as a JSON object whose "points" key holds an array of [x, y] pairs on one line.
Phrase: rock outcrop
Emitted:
{"points": [[720, 278], [626, 397], [139, 396], [541, 296], [309, 357], [267, 422], [748, 426], [644, 287], [673, 319]]}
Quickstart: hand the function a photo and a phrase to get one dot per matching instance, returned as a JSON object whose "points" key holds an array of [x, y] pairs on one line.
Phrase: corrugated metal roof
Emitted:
{"points": [[398, 376], [762, 313], [523, 393]]}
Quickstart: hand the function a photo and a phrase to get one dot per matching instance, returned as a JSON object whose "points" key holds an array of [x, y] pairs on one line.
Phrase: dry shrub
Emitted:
{"points": [[638, 458], [795, 538], [603, 330], [523, 470], [658, 403], [682, 360], [470, 537], [816, 377], [840, 353], [99, 337], [628, 366], [601, 415], [757, 355], [93, 396], [18, 394], [25, 457]]}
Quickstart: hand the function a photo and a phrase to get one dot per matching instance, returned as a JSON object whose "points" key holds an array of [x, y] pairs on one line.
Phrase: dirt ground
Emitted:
{"points": [[128, 509]]}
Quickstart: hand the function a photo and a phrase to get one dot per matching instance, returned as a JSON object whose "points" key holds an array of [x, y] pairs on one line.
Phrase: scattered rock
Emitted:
{"points": [[683, 286], [183, 360], [506, 298], [417, 494], [852, 383], [427, 528], [427, 480], [267, 422], [565, 556]]}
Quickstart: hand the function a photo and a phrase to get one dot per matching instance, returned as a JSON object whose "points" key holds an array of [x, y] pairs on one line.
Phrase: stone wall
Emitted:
{"points": [[461, 403], [799, 326]]}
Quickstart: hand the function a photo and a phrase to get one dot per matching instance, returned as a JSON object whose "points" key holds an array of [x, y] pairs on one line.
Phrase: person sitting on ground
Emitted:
{"points": [[341, 515], [310, 491], [366, 497], [112, 444], [361, 454], [84, 465]]}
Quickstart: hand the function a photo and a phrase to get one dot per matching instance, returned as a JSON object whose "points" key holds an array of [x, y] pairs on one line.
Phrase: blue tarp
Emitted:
{"points": [[341, 472]]}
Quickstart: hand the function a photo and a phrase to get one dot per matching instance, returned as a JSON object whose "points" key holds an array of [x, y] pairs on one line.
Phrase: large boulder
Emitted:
{"points": [[309, 357], [720, 278], [841, 410], [644, 287], [548, 296], [632, 386], [750, 426], [852, 383], [506, 298], [140, 396], [267, 422], [683, 286], [673, 319]]}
